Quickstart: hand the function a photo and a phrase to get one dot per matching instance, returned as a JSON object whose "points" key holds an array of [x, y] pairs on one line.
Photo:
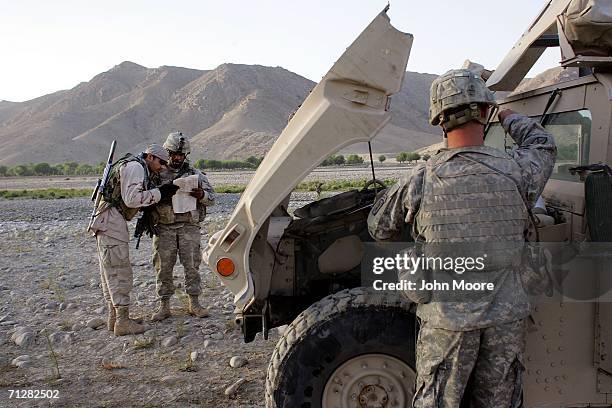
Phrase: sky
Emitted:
{"points": [[53, 45]]}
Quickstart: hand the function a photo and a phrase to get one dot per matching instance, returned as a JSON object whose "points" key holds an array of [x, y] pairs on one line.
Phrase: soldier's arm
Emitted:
{"points": [[209, 192], [535, 154], [386, 220], [134, 195]]}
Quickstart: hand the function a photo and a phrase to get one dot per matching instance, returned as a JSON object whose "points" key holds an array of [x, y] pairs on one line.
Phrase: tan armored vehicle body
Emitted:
{"points": [[346, 346]]}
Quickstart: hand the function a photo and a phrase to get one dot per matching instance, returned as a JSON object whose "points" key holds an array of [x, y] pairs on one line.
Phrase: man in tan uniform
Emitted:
{"points": [[124, 193], [179, 232]]}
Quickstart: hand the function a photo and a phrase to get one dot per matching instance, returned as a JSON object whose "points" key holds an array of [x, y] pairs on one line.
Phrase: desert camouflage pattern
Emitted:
{"points": [[163, 210], [115, 270], [179, 234], [183, 240], [493, 356]]}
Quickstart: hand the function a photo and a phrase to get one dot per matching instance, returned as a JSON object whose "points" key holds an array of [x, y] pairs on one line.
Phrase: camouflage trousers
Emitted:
{"points": [[491, 358], [180, 239], [115, 270]]}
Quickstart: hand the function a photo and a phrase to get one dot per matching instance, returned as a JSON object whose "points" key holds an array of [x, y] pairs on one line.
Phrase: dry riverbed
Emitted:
{"points": [[51, 307]]}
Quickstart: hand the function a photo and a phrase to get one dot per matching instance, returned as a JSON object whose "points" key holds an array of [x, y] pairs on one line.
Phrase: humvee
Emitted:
{"points": [[348, 346]]}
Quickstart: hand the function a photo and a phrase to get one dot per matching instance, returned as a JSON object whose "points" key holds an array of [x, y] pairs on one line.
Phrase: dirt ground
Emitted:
{"points": [[49, 288], [382, 172]]}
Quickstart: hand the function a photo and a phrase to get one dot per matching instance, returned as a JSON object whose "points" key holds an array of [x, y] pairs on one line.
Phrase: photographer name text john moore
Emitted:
{"points": [[434, 285]]}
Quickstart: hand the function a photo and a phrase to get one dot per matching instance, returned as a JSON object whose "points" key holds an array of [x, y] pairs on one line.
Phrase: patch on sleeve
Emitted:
{"points": [[379, 203]]}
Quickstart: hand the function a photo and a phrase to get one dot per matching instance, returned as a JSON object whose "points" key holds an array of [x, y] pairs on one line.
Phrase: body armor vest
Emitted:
{"points": [[472, 195], [164, 213], [112, 190]]}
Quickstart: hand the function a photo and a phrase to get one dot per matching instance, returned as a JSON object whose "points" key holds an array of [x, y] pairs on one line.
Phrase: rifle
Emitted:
{"points": [[99, 189], [145, 224]]}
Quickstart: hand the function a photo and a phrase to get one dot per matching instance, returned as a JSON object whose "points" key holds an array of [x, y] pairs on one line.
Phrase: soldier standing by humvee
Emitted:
{"points": [[179, 234], [477, 194], [125, 192]]}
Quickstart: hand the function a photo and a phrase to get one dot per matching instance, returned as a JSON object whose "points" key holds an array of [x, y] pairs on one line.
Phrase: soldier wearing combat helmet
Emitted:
{"points": [[179, 233], [470, 193], [126, 191]]}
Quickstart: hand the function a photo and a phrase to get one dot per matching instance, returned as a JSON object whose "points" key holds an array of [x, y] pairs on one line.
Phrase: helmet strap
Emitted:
{"points": [[456, 119]]}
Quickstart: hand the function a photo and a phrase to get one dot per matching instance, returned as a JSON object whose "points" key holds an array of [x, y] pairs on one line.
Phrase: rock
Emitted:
{"points": [[187, 339], [169, 341], [217, 336], [208, 343], [50, 305], [71, 306], [62, 306], [96, 323], [23, 361], [232, 389], [60, 338], [23, 338], [77, 326], [238, 361], [100, 310], [4, 318], [8, 323], [170, 379]]}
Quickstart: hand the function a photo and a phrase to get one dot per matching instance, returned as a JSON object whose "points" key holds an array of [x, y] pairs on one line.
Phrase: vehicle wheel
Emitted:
{"points": [[355, 348]]}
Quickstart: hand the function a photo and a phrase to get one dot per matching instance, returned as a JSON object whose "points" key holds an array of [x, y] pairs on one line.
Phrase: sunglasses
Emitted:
{"points": [[162, 162]]}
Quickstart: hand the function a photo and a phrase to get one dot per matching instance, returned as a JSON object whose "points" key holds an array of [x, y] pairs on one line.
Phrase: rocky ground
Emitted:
{"points": [[51, 315], [382, 171]]}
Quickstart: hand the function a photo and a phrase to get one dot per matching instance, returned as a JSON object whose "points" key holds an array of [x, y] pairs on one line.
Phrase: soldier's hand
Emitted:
{"points": [[197, 193], [168, 190], [504, 114]]}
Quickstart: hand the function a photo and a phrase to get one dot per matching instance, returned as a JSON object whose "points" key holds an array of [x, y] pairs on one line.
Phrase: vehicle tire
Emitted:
{"points": [[351, 347]]}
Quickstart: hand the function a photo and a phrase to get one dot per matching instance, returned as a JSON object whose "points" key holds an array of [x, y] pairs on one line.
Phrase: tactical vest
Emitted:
{"points": [[163, 213], [473, 195], [112, 189]]}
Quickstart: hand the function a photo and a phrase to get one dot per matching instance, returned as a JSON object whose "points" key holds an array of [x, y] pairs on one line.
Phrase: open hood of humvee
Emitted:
{"points": [[349, 105]]}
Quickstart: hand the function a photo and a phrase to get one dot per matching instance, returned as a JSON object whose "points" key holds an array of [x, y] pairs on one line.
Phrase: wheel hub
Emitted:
{"points": [[373, 396], [370, 381]]}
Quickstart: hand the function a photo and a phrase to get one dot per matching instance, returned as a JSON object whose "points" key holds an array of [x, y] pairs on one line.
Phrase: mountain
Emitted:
{"points": [[233, 111]]}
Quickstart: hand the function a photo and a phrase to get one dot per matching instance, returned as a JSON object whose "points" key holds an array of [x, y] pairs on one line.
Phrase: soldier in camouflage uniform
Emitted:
{"points": [[126, 191], [179, 234], [471, 193]]}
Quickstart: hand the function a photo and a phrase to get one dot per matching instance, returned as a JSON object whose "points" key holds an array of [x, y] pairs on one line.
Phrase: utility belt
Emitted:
{"points": [[164, 215]]}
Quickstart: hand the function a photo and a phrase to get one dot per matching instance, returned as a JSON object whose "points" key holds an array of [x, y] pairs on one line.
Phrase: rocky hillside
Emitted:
{"points": [[232, 111]]}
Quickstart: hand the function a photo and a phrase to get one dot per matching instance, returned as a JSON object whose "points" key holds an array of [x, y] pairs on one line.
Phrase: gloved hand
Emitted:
{"points": [[197, 193], [168, 190]]}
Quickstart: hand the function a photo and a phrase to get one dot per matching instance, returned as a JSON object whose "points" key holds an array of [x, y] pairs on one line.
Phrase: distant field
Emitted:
{"points": [[235, 177]]}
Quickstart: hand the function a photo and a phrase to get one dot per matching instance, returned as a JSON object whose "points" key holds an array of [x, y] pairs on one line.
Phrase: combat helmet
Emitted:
{"points": [[454, 90], [176, 142]]}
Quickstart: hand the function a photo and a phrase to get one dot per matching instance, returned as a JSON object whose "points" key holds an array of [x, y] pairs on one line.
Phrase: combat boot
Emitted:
{"points": [[195, 309], [124, 325], [112, 316], [163, 311]]}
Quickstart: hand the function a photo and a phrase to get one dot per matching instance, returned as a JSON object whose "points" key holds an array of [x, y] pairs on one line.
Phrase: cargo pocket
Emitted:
{"points": [[116, 256]]}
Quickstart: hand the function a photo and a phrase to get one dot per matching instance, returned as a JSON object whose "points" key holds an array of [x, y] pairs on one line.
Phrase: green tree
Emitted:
{"points": [[402, 157], [339, 160], [382, 158], [412, 156], [42, 169], [84, 169], [354, 159], [20, 170], [254, 161], [3, 171]]}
